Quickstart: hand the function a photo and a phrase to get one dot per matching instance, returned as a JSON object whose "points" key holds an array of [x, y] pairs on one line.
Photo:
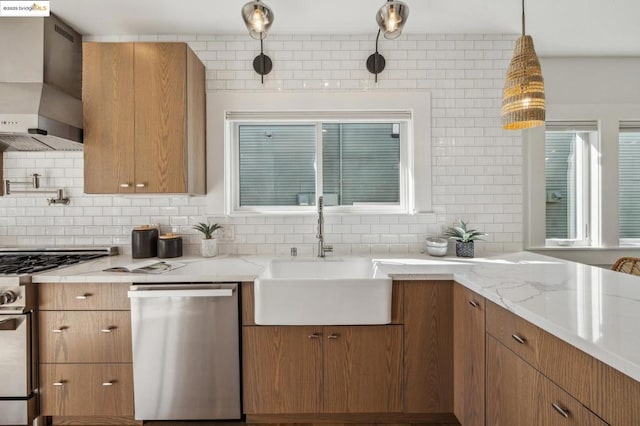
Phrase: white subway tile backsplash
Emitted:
{"points": [[476, 166]]}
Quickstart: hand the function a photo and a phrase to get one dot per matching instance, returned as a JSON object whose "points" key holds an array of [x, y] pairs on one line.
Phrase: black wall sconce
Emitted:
{"points": [[258, 17], [391, 18]]}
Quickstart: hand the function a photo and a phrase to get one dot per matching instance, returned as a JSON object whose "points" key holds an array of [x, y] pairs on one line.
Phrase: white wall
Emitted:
{"points": [[476, 166], [606, 90]]}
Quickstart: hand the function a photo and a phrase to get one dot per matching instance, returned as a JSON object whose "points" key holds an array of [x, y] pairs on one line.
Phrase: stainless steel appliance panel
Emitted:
{"points": [[18, 412], [15, 355], [185, 351]]}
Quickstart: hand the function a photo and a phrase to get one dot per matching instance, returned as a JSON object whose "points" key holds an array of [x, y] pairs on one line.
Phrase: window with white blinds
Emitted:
{"points": [[361, 163], [567, 182], [560, 183], [287, 165], [276, 164], [629, 180]]}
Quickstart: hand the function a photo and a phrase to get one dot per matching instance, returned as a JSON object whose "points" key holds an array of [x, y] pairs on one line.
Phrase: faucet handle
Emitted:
{"points": [[327, 248]]}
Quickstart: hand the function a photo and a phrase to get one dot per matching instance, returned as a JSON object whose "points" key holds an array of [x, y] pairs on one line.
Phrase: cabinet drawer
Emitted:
{"points": [[514, 332], [557, 407], [86, 390], [565, 365], [83, 296], [75, 336]]}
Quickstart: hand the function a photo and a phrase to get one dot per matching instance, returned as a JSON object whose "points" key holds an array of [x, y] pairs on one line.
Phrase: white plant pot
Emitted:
{"points": [[209, 248]]}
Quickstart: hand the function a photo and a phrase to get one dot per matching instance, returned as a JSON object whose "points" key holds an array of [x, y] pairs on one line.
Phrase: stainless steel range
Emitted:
{"points": [[18, 337]]}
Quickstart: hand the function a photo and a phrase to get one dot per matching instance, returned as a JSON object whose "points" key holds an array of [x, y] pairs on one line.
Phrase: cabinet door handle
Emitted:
{"points": [[333, 336], [60, 383], [140, 185], [58, 330], [108, 383], [473, 303], [519, 339], [124, 185], [108, 329], [314, 336], [563, 411], [83, 296]]}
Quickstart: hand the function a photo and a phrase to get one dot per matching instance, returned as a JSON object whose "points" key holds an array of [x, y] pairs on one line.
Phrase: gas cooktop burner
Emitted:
{"points": [[24, 261], [32, 263]]}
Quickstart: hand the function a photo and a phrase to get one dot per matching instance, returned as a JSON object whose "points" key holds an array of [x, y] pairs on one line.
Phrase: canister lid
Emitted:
{"points": [[169, 236], [144, 228], [437, 242]]}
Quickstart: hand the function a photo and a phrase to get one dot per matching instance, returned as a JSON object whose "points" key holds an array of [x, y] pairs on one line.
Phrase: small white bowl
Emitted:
{"points": [[437, 246]]}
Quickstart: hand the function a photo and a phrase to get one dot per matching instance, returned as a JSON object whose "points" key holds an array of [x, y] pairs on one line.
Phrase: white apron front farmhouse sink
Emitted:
{"points": [[322, 291]]}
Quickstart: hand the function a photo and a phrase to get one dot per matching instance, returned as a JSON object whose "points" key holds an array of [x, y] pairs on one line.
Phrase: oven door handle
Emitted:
{"points": [[9, 324], [211, 292]]}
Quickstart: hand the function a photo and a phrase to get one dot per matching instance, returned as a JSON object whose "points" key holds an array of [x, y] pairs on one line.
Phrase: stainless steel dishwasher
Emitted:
{"points": [[186, 362]]}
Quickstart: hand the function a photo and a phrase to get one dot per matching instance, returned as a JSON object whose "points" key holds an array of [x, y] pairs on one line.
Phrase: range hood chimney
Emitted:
{"points": [[40, 85]]}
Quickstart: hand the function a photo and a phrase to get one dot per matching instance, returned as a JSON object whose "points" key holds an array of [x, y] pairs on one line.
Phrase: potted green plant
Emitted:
{"points": [[208, 245], [464, 238]]}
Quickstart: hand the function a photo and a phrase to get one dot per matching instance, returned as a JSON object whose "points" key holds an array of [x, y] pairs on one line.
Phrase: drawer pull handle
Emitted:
{"points": [[60, 383], [108, 383], [473, 303], [563, 411], [314, 336], [83, 296], [333, 336], [140, 185], [519, 339], [124, 185], [108, 330], [58, 330]]}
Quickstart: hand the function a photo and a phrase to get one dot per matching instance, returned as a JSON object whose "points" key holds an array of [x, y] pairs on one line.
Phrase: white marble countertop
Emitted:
{"points": [[593, 309]]}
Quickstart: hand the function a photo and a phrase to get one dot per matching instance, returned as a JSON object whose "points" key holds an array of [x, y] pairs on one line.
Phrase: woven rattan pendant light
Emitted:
{"points": [[523, 104]]}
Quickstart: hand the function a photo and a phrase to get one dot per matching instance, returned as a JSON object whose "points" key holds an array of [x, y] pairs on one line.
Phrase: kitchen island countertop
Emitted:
{"points": [[591, 308]]}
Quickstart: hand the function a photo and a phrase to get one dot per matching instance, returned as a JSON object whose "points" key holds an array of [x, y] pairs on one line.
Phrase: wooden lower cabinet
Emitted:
{"points": [[468, 356], [86, 390], [518, 394], [556, 407], [363, 369], [346, 369], [428, 346], [282, 369], [86, 375], [85, 336], [511, 387]]}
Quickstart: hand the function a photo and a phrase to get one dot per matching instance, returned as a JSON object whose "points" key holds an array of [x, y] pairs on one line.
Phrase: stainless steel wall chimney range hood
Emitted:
{"points": [[40, 85]]}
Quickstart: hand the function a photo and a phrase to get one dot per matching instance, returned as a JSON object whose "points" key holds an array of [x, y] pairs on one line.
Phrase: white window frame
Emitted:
{"points": [[590, 228], [401, 207], [224, 107], [628, 127], [584, 149]]}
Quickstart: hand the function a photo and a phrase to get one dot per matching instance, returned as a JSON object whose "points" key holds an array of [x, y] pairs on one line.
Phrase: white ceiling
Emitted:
{"points": [[558, 27]]}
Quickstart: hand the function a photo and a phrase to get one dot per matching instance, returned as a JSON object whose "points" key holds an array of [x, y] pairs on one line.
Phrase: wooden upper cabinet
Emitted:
{"points": [[468, 356], [144, 118], [108, 105]]}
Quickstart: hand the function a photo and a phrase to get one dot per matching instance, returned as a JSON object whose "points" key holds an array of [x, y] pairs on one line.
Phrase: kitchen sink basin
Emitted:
{"points": [[322, 291]]}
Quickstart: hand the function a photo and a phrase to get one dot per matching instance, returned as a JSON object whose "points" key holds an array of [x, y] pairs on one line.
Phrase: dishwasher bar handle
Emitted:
{"points": [[211, 292]]}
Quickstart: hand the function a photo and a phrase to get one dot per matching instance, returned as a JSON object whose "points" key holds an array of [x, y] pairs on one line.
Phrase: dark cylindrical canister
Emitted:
{"points": [[169, 245], [144, 242]]}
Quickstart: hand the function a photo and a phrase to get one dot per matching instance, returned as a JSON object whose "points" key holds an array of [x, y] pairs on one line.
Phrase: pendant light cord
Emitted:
{"points": [[376, 57], [523, 31], [264, 65]]}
